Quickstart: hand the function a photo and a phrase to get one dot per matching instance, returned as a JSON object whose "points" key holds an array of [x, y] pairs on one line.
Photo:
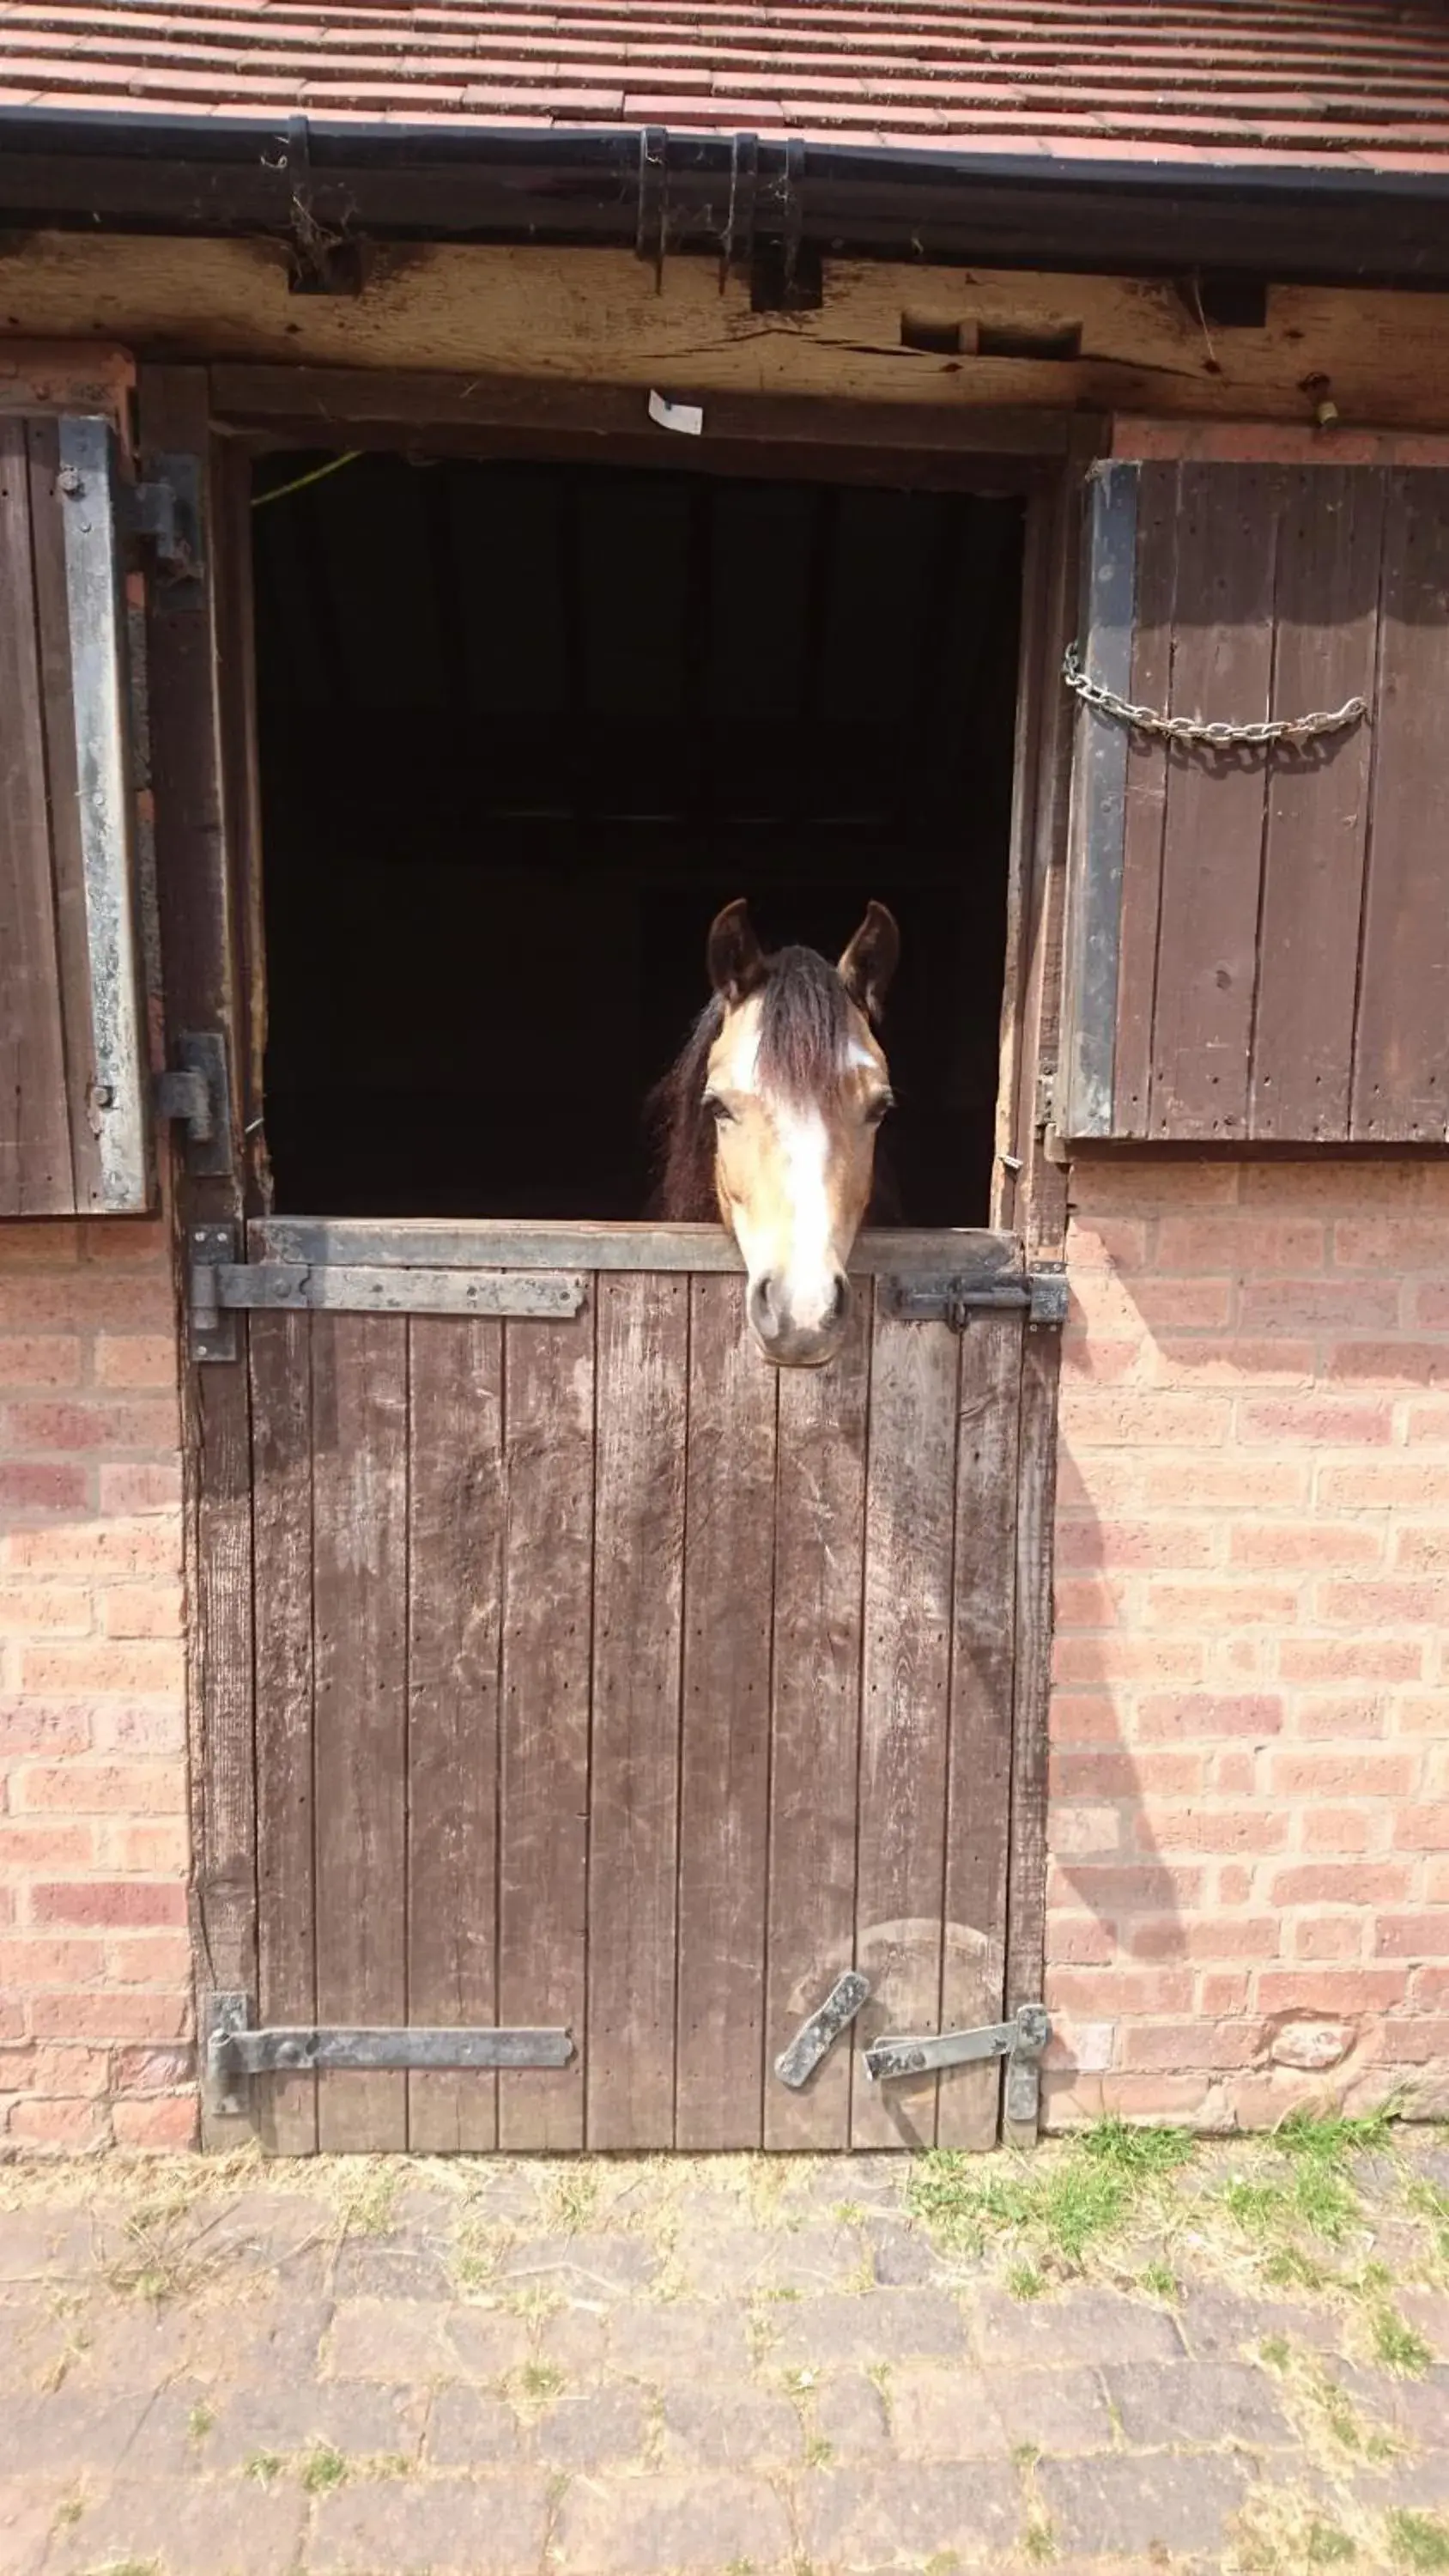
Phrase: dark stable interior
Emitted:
{"points": [[525, 726]]}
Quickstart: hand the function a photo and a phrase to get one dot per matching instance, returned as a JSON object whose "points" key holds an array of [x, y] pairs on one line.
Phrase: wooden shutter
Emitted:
{"points": [[1259, 941], [72, 1058]]}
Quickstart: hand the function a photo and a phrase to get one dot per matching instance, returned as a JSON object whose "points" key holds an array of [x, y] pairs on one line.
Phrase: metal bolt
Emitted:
{"points": [[104, 1096], [69, 479]]}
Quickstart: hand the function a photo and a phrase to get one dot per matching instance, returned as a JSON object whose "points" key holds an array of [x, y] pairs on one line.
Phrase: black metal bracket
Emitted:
{"points": [[166, 509], [213, 1327], [196, 1094], [737, 243], [651, 238], [237, 2051]]}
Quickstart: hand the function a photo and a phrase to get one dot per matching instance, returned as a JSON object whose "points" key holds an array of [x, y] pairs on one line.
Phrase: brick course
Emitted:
{"points": [[95, 1984], [1251, 1701]]}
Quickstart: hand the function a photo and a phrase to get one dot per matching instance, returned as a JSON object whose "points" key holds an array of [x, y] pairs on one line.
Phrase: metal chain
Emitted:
{"points": [[1220, 737]]}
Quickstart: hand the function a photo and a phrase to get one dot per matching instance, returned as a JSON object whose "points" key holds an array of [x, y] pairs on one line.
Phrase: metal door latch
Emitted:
{"points": [[236, 2050], [1040, 1293], [796, 2064], [1022, 2040]]}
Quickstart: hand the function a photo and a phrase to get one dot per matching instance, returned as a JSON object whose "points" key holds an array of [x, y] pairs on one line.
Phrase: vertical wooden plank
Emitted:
{"points": [[1222, 669], [52, 620], [1036, 1484], [281, 1391], [643, 1362], [36, 1173], [1145, 800], [909, 1539], [724, 1768], [359, 1430], [978, 1769], [543, 1826], [1098, 790], [815, 1723], [455, 1621], [1400, 1081], [1316, 842]]}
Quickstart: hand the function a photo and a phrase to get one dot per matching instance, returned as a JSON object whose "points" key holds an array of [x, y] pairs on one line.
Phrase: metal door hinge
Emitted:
{"points": [[1021, 2040], [197, 1094], [166, 508], [213, 1328], [236, 2050], [796, 2064], [1041, 1294]]}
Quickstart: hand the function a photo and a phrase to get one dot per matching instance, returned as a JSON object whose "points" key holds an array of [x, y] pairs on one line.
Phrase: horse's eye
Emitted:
{"points": [[715, 1108], [877, 1108]]}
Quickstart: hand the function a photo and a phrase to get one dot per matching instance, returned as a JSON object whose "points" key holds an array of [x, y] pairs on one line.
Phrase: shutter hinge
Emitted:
{"points": [[166, 508], [236, 2050], [196, 1094]]}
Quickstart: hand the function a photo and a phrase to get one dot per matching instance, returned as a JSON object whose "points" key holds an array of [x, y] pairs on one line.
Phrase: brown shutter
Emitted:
{"points": [[72, 1055], [1259, 939]]}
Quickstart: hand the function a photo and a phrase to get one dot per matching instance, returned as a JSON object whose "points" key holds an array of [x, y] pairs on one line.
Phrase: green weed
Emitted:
{"points": [[1419, 2540], [323, 2469], [1327, 2546], [1398, 2347], [265, 2467]]}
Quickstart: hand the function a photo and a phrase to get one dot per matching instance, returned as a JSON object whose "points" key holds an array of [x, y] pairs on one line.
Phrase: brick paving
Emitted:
{"points": [[675, 2369]]}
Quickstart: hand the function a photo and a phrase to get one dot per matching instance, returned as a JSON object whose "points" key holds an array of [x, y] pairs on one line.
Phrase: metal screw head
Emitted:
{"points": [[69, 479], [103, 1095]]}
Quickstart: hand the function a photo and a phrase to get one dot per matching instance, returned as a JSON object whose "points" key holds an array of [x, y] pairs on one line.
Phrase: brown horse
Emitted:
{"points": [[768, 1120]]}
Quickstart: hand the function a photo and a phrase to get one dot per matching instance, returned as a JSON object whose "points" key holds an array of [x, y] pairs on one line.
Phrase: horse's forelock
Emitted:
{"points": [[805, 1025]]}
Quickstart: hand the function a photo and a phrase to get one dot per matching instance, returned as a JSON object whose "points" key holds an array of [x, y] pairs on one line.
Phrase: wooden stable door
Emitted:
{"points": [[607, 1677]]}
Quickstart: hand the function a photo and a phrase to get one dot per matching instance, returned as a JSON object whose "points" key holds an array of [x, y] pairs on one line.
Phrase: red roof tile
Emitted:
{"points": [[1363, 83]]}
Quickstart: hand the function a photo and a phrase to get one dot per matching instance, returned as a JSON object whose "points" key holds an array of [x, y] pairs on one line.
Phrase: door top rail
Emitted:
{"points": [[505, 1243]]}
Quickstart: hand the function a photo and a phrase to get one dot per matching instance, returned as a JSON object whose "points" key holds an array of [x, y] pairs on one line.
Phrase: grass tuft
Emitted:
{"points": [[1398, 2347], [1419, 2541], [264, 2467], [1065, 2201], [323, 2469]]}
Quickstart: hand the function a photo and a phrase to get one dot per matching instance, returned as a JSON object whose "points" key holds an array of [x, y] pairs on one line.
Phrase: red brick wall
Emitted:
{"points": [[95, 1982], [1249, 1890]]}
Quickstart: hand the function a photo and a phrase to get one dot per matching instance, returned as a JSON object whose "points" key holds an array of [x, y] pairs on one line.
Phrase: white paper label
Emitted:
{"points": [[688, 418]]}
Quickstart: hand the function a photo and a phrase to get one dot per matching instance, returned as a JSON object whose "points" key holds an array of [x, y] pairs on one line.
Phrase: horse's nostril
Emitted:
{"points": [[762, 1302]]}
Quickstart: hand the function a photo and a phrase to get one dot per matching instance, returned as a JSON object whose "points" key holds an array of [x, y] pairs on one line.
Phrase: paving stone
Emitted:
{"points": [[602, 2427], [490, 2526], [387, 2339], [874, 2182], [899, 2254], [278, 2335], [482, 2343], [1197, 2401], [1422, 2484], [575, 2340], [886, 2325], [858, 2518], [1140, 2505], [45, 2245], [591, 2266], [1428, 2312], [945, 2415], [424, 2213], [1223, 2325], [359, 2418], [67, 2433], [165, 2444], [25, 2519], [34, 2340], [645, 2526], [469, 2429], [729, 2428], [132, 2345], [1081, 2326], [372, 2268], [188, 2527], [1059, 2411], [1421, 2407], [850, 2414], [679, 2339], [741, 2261], [264, 2230]]}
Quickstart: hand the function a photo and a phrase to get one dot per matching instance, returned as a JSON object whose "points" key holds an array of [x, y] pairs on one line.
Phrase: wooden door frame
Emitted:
{"points": [[202, 712]]}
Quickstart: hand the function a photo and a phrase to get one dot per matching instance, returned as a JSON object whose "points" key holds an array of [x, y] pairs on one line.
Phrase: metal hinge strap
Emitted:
{"points": [[237, 2051], [354, 1289], [1024, 2036], [796, 2064], [196, 1093]]}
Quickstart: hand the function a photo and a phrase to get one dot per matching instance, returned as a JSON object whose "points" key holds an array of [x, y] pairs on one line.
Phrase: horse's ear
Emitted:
{"points": [[870, 961], [736, 959]]}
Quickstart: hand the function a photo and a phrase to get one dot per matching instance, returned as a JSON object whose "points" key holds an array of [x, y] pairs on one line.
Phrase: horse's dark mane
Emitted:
{"points": [[805, 1025]]}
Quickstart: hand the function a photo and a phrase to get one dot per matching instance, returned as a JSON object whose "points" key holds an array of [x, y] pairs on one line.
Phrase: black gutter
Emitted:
{"points": [[667, 193]]}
